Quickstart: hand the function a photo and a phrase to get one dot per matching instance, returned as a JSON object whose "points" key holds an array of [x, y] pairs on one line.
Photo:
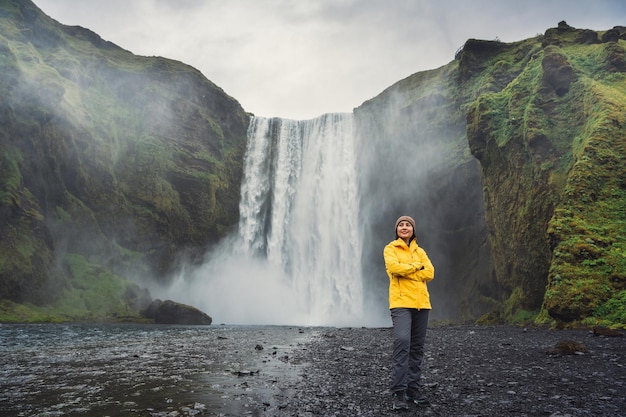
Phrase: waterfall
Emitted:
{"points": [[296, 258], [299, 210]]}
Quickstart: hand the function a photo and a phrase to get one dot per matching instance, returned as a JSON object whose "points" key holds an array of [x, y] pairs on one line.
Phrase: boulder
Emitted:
{"points": [[171, 312]]}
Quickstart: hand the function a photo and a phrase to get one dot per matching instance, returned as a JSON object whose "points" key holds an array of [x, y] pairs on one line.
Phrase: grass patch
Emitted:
{"points": [[92, 294]]}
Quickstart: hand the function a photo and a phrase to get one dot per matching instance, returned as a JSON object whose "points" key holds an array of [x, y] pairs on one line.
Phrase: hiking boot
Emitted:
{"points": [[414, 396], [398, 401]]}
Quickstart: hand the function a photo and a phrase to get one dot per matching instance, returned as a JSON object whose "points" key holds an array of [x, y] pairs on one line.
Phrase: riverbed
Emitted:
{"points": [[147, 370], [281, 371]]}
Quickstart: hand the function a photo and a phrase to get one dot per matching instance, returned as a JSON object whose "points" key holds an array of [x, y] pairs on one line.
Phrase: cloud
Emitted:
{"points": [[299, 59]]}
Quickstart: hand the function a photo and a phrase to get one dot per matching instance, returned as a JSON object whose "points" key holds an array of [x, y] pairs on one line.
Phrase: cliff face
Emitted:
{"points": [[549, 135], [538, 224], [414, 160], [127, 161]]}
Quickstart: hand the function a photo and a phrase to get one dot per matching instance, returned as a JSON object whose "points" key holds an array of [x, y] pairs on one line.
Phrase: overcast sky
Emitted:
{"points": [[299, 59]]}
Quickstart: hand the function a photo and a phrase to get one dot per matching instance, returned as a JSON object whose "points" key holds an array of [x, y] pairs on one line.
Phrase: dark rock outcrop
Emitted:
{"points": [[547, 189], [611, 35], [558, 74], [564, 34], [171, 312]]}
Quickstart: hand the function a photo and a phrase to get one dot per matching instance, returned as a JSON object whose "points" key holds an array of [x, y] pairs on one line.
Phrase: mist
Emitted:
{"points": [[413, 159], [296, 255]]}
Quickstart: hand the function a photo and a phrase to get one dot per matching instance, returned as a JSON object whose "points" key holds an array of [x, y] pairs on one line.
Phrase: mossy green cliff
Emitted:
{"points": [[551, 147], [545, 119], [112, 161]]}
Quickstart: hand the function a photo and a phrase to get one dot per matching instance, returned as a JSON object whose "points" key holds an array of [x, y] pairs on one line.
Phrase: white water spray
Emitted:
{"points": [[297, 256]]}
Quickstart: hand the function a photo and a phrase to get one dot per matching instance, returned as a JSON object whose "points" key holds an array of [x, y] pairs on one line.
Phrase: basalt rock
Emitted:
{"points": [[171, 312]]}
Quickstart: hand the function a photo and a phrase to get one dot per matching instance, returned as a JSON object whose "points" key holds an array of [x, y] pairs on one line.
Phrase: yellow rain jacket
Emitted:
{"points": [[409, 269]]}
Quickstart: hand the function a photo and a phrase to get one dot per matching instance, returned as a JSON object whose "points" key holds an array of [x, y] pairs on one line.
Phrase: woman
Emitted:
{"points": [[409, 269]]}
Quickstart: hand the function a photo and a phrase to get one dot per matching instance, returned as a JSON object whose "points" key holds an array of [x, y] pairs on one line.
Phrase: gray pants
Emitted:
{"points": [[409, 326]]}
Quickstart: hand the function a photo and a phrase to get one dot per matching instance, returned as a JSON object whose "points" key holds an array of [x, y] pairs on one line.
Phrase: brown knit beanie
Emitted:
{"points": [[405, 218]]}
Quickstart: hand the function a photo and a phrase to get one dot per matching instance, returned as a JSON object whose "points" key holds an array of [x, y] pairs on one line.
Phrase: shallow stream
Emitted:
{"points": [[146, 370]]}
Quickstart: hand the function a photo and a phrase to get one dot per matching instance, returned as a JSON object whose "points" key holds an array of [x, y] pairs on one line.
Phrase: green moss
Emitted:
{"points": [[494, 107], [92, 294], [10, 175], [587, 58], [491, 318], [589, 233], [611, 313], [93, 291], [544, 319], [62, 215], [512, 312], [17, 251], [11, 312], [565, 155], [522, 316]]}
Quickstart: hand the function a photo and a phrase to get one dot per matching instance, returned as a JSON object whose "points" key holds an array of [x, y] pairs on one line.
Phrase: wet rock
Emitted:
{"points": [[558, 74], [245, 372], [568, 347], [137, 298], [604, 331], [171, 312]]}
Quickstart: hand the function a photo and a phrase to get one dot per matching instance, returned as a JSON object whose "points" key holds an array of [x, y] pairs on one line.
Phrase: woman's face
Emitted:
{"points": [[404, 230]]}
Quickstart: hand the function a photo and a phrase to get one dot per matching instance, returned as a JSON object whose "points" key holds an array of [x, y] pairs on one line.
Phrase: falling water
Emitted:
{"points": [[297, 256], [299, 209]]}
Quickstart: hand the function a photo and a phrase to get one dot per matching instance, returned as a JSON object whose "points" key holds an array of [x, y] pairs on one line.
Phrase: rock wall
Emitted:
{"points": [[128, 161], [532, 231], [414, 159], [543, 140]]}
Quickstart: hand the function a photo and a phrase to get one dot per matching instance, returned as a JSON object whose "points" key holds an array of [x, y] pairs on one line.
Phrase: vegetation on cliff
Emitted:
{"points": [[550, 140], [111, 160], [544, 118]]}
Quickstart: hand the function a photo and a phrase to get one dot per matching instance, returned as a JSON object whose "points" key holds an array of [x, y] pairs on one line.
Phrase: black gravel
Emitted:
{"points": [[469, 371]]}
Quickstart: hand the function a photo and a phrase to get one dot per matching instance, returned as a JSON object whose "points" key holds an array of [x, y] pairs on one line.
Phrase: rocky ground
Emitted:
{"points": [[278, 371], [469, 371]]}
